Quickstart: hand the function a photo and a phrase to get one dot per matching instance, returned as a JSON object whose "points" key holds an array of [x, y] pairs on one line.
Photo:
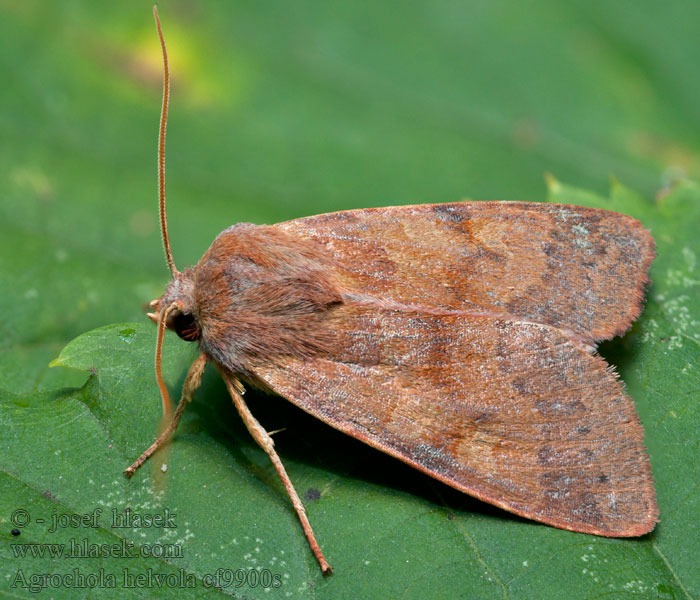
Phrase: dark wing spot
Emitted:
{"points": [[448, 212]]}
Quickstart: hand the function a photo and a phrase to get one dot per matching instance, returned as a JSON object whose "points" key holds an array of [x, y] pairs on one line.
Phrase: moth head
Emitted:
{"points": [[178, 301], [180, 317]]}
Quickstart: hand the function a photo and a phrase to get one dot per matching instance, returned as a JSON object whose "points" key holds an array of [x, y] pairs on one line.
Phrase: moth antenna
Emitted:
{"points": [[162, 320], [161, 150]]}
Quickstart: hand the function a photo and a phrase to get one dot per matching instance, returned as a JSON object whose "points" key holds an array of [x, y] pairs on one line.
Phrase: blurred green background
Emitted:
{"points": [[284, 109]]}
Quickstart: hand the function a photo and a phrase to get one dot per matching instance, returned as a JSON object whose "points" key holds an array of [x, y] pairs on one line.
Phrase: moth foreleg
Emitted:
{"points": [[192, 382]]}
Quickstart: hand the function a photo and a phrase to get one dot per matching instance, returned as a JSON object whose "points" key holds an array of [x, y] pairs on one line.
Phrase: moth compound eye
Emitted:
{"points": [[185, 326]]}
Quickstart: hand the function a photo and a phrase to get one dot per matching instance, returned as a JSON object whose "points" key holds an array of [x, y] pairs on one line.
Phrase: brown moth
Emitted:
{"points": [[459, 338]]}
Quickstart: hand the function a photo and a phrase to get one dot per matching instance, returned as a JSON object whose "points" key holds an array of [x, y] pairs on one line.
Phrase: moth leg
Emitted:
{"points": [[192, 382], [262, 437]]}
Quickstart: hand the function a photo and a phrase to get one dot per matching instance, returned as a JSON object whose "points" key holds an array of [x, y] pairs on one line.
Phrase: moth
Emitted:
{"points": [[459, 338]]}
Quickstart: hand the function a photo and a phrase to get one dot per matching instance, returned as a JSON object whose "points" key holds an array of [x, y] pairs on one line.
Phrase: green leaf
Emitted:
{"points": [[382, 525], [85, 438]]}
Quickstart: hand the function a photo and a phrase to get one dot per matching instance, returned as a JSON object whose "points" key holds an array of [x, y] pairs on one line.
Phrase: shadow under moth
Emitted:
{"points": [[459, 338]]}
